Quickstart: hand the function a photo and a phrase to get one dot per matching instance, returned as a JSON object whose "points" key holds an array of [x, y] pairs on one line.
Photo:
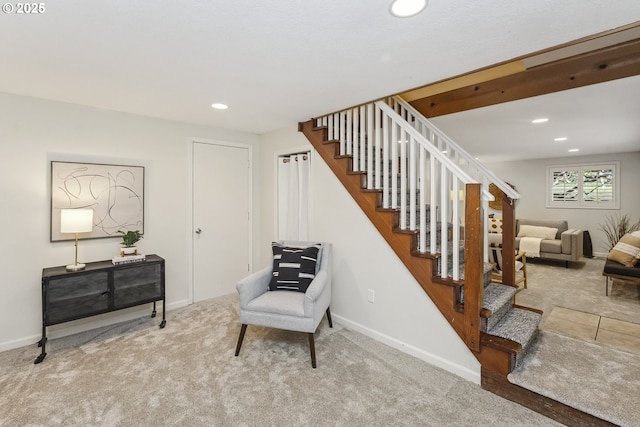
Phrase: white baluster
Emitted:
{"points": [[412, 183], [403, 180], [385, 161], [349, 132], [370, 142], [356, 139], [341, 137], [433, 181], [378, 125], [394, 165], [330, 127], [422, 245], [456, 230], [363, 138], [444, 223]]}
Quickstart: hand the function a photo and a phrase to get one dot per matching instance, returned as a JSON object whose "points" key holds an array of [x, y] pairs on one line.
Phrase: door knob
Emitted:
{"points": [[198, 230]]}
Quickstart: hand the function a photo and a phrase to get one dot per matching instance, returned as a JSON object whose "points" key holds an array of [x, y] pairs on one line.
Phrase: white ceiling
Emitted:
{"points": [[277, 62], [597, 119]]}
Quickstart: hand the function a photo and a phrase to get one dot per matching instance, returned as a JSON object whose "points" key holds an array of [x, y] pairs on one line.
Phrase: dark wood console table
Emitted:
{"points": [[100, 288]]}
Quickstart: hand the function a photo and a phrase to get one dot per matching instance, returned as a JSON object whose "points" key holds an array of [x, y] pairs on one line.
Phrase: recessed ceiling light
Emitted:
{"points": [[219, 106], [573, 150], [540, 120], [407, 8], [562, 138]]}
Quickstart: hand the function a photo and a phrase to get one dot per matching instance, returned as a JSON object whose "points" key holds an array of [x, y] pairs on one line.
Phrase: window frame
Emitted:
{"points": [[581, 203]]}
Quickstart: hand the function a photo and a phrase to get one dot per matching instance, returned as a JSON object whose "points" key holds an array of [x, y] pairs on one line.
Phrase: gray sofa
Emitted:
{"points": [[567, 246]]}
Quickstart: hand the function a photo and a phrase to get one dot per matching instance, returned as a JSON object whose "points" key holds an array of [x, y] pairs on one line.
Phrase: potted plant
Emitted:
{"points": [[129, 240], [617, 226]]}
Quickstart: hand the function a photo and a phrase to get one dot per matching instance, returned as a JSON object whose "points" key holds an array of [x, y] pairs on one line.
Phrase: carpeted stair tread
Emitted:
{"points": [[520, 326], [498, 299]]}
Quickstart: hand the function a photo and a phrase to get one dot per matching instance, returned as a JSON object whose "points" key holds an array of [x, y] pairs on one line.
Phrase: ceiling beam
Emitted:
{"points": [[610, 63], [484, 75]]}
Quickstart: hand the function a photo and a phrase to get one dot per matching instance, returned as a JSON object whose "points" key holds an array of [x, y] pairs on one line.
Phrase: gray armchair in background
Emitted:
{"points": [[292, 310]]}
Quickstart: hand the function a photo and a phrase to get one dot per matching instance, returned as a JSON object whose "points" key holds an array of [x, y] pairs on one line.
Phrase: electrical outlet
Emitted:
{"points": [[371, 295]]}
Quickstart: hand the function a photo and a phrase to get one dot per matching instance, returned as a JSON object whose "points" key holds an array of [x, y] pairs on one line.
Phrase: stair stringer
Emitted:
{"points": [[494, 353]]}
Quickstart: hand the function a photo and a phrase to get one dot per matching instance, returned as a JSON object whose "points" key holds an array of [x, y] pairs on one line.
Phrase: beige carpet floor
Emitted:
{"points": [[135, 374], [598, 377]]}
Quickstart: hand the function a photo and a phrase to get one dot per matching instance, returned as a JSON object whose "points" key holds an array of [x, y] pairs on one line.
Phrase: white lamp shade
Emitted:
{"points": [[76, 220]]}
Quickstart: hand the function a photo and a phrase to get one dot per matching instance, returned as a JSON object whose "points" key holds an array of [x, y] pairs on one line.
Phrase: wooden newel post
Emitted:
{"points": [[508, 241], [473, 265]]}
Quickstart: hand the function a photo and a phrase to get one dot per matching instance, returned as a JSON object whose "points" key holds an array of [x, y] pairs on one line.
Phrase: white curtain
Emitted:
{"points": [[293, 197]]}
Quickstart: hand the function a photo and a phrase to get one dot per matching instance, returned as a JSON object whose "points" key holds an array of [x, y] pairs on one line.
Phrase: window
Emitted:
{"points": [[591, 186]]}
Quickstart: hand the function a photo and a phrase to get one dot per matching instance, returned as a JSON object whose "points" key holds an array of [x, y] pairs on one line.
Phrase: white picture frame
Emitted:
{"points": [[114, 192]]}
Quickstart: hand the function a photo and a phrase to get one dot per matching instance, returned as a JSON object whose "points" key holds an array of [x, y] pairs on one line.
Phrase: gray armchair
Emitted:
{"points": [[287, 309]]}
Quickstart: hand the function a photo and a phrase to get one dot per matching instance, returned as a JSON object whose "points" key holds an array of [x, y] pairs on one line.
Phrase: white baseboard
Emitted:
{"points": [[98, 321], [430, 358]]}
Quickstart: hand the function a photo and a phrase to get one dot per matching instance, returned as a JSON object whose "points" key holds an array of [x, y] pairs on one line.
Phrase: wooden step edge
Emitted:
{"points": [[330, 141], [401, 231], [535, 310], [447, 282], [499, 343], [499, 385], [390, 210], [416, 253]]}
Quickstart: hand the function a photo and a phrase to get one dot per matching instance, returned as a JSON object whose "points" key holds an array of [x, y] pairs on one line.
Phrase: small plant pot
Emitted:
{"points": [[131, 250]]}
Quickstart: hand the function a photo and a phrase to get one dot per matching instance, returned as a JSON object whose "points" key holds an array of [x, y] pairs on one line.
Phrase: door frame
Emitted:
{"points": [[191, 225]]}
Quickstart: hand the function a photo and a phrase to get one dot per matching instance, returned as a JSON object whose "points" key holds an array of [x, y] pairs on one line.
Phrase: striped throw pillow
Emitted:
{"points": [[626, 251], [294, 268]]}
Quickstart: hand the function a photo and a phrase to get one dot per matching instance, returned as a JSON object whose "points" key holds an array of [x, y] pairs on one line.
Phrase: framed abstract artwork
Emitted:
{"points": [[114, 192]]}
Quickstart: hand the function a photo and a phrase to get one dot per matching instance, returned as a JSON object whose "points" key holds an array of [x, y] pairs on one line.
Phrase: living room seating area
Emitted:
{"points": [[547, 239]]}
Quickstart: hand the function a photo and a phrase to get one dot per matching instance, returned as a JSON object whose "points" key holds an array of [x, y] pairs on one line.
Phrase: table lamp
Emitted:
{"points": [[76, 221]]}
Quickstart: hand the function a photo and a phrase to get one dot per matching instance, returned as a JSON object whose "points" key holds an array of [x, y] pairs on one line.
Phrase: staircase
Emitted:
{"points": [[427, 197]]}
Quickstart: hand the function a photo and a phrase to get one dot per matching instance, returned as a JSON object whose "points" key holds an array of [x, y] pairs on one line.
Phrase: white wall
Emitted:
{"points": [[402, 314], [529, 177], [33, 133]]}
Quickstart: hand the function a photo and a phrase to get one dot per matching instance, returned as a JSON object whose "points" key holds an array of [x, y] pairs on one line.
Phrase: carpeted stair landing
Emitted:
{"points": [[598, 380]]}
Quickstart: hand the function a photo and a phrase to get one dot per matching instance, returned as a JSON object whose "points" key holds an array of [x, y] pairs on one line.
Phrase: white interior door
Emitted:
{"points": [[221, 218]]}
